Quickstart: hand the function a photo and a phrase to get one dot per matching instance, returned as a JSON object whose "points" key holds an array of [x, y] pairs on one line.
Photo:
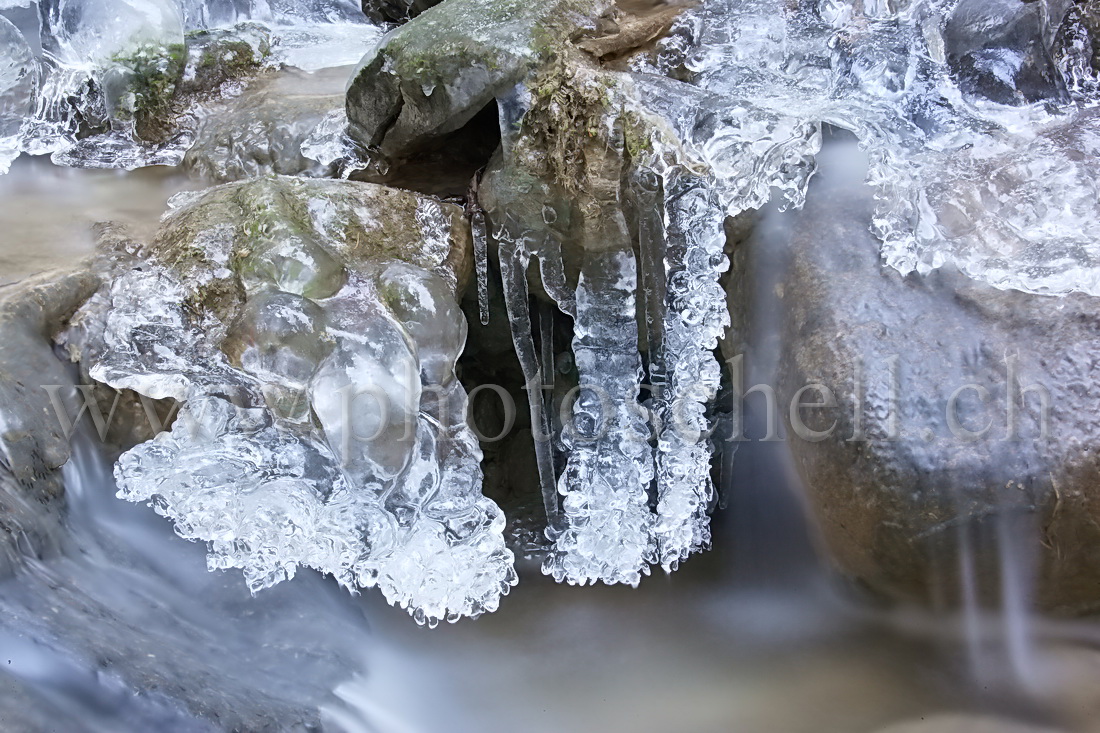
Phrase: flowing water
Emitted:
{"points": [[756, 635], [749, 637]]}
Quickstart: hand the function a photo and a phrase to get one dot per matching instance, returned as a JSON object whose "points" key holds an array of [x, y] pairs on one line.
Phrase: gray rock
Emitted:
{"points": [[432, 75], [903, 481], [33, 442]]}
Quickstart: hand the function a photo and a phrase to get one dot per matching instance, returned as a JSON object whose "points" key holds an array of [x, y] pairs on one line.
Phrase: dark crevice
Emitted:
{"points": [[444, 167]]}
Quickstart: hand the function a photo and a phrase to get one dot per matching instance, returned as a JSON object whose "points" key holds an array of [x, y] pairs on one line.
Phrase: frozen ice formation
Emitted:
{"points": [[108, 66], [322, 424], [607, 533], [980, 122], [311, 328], [978, 117], [17, 79], [122, 83], [689, 233]]}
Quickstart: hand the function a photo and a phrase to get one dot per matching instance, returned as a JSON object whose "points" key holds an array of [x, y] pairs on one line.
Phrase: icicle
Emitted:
{"points": [[479, 233], [481, 264], [552, 273], [551, 420], [608, 534], [546, 344], [651, 239], [695, 318], [513, 271]]}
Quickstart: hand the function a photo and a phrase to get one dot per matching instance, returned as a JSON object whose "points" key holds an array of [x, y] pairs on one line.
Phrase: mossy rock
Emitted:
{"points": [[220, 55], [432, 75], [143, 84], [301, 235], [152, 84]]}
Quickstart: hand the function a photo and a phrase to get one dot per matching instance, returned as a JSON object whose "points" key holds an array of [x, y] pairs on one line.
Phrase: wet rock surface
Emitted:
{"points": [[431, 76], [963, 416], [395, 11], [33, 442]]}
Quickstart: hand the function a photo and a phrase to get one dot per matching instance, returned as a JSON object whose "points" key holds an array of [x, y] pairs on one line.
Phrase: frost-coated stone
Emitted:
{"points": [[311, 330]]}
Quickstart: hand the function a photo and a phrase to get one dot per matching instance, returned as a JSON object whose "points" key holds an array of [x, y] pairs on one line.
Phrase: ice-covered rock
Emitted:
{"points": [[110, 65], [125, 83], [310, 329], [572, 133], [956, 405], [276, 125]]}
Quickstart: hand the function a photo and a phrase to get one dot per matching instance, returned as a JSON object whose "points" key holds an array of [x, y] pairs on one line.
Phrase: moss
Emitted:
{"points": [[218, 56], [154, 72], [637, 136], [570, 107]]}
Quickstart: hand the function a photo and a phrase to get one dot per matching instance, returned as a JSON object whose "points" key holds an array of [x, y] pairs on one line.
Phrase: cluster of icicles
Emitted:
{"points": [[964, 179]]}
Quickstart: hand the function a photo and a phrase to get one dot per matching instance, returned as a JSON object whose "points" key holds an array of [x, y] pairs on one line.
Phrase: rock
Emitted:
{"points": [[299, 235], [961, 723], [1000, 50], [432, 75], [395, 11], [33, 443], [901, 485], [219, 55]]}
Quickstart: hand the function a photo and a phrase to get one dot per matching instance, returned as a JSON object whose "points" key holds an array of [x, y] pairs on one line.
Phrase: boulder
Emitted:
{"points": [[966, 423], [33, 442], [432, 75]]}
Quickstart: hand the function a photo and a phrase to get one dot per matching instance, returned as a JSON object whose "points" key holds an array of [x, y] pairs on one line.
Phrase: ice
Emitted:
{"points": [[318, 34], [959, 105], [480, 235], [607, 532], [695, 318], [514, 260], [108, 71], [392, 500], [82, 34], [330, 146], [100, 62], [367, 391], [312, 46], [17, 82], [279, 339], [267, 500]]}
